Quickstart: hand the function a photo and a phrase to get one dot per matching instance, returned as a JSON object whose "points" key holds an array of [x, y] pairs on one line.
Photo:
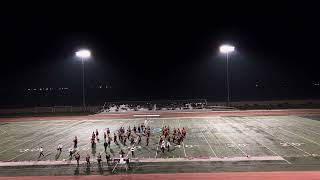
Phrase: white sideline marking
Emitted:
{"points": [[253, 158]]}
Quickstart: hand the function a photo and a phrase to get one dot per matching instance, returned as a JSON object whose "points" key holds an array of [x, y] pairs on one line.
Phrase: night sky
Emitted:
{"points": [[159, 52]]}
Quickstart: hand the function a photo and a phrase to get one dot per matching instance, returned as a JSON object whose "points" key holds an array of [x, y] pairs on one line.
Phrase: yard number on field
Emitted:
{"points": [[235, 145], [28, 150], [290, 144], [187, 146]]}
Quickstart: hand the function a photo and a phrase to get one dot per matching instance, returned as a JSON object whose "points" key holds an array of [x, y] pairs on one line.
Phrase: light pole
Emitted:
{"points": [[83, 54], [226, 49]]}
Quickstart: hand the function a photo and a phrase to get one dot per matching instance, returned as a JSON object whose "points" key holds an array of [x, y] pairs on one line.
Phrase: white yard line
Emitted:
{"points": [[290, 145], [129, 148], [184, 149], [136, 141], [305, 124], [299, 136], [212, 135], [80, 148], [46, 140], [306, 129], [115, 166], [112, 130], [300, 124], [236, 145], [32, 140], [2, 132], [265, 146], [49, 151], [203, 136], [159, 139], [13, 138]]}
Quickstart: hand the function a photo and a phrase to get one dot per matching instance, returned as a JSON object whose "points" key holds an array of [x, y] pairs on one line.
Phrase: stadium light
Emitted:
{"points": [[226, 49], [83, 54]]}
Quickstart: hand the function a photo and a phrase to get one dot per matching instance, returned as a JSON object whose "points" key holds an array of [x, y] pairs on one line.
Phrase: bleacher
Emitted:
{"points": [[164, 105]]}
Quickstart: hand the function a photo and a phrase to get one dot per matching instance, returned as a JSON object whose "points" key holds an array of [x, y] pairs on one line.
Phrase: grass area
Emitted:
{"points": [[211, 143]]}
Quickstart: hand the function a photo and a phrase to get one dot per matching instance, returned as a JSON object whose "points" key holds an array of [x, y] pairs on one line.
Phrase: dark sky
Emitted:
{"points": [[164, 51]]}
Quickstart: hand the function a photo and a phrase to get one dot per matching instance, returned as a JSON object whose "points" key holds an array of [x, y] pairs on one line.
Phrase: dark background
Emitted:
{"points": [[158, 51]]}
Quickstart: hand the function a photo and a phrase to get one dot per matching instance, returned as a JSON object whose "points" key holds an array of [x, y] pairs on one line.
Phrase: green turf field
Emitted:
{"points": [[211, 144]]}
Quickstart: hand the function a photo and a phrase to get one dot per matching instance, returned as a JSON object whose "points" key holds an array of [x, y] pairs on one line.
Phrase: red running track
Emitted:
{"points": [[307, 175], [284, 112]]}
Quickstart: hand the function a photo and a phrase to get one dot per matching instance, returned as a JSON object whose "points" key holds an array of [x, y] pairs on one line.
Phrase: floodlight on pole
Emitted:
{"points": [[226, 49], [83, 54]]}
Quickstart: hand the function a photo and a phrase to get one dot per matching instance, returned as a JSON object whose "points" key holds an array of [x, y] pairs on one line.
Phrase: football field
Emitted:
{"points": [[217, 143]]}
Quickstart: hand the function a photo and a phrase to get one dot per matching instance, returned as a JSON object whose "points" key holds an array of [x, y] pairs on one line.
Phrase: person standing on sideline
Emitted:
{"points": [[41, 152], [77, 157], [108, 157], [88, 159], [99, 159]]}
